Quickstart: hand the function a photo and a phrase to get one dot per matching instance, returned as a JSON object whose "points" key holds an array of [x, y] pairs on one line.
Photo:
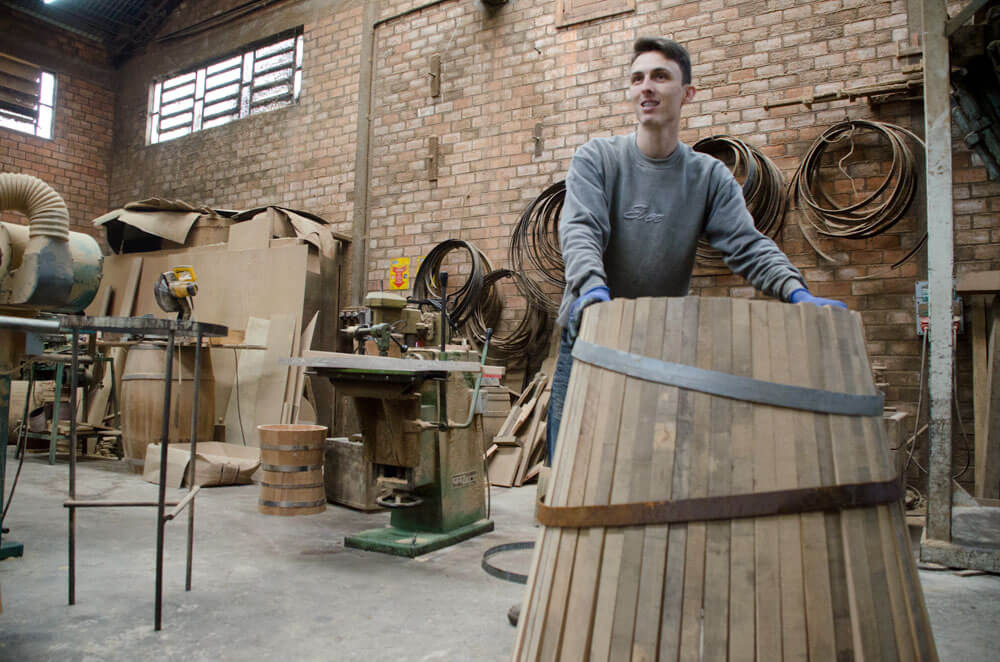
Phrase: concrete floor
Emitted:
{"points": [[287, 589]]}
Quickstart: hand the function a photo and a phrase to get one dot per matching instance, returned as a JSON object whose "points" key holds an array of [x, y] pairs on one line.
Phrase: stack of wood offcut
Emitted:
{"points": [[518, 450]]}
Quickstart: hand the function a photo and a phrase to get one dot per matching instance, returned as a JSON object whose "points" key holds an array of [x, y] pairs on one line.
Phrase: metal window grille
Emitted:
{"points": [[256, 80], [27, 97]]}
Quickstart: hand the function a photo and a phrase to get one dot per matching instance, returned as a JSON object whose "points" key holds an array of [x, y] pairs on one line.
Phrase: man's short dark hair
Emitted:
{"points": [[670, 49]]}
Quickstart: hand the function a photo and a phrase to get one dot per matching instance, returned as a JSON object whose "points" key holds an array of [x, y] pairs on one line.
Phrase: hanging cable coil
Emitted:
{"points": [[763, 188], [534, 246], [876, 212], [526, 338], [465, 301]]}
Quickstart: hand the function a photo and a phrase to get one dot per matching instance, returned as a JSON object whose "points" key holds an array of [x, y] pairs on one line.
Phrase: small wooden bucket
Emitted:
{"points": [[142, 399], [291, 459], [814, 581]]}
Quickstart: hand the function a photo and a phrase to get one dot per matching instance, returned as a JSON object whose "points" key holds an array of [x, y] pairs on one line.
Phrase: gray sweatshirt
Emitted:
{"points": [[632, 223]]}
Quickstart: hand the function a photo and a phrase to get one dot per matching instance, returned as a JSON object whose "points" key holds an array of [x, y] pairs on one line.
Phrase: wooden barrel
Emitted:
{"points": [[816, 583], [142, 399], [291, 459]]}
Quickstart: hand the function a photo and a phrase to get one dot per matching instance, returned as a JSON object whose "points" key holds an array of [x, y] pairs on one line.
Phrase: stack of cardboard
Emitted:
{"points": [[277, 278]]}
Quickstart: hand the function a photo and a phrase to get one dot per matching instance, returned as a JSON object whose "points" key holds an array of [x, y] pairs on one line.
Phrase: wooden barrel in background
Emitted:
{"points": [[142, 399], [291, 461], [831, 585]]}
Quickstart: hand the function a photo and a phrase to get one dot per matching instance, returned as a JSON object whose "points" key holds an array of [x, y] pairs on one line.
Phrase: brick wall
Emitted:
{"points": [[75, 162], [505, 70]]}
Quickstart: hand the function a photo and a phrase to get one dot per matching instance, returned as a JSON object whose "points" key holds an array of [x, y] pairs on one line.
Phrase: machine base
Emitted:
{"points": [[398, 542], [9, 548]]}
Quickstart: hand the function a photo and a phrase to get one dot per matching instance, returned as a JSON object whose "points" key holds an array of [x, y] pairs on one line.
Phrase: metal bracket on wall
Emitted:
{"points": [[537, 138], [435, 74], [432, 158]]}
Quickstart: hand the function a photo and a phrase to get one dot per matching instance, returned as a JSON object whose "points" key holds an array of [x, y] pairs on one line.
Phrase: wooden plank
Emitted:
{"points": [[988, 460], [979, 331], [503, 465], [793, 622], [848, 451], [817, 338], [299, 375], [818, 601], [126, 307], [692, 613], [978, 282], [664, 443], [720, 451], [533, 437], [673, 586], [239, 418], [766, 554], [252, 234], [633, 470], [742, 581]]}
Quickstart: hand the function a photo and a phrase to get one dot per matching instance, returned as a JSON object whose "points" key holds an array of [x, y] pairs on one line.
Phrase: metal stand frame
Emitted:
{"points": [[149, 327]]}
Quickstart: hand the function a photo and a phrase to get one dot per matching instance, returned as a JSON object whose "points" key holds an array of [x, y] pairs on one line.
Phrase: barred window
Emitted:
{"points": [[27, 97], [260, 77]]}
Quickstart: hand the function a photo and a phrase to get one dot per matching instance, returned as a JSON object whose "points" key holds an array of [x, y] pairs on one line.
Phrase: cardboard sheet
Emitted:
{"points": [[216, 463]]}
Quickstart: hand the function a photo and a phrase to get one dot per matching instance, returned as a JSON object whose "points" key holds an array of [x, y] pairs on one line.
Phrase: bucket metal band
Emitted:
{"points": [[726, 385], [292, 504], [735, 506], [296, 447], [291, 469], [293, 487]]}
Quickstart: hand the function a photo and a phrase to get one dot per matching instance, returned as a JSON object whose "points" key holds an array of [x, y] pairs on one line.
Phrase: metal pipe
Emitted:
{"points": [[187, 501], [443, 384], [479, 381], [192, 489], [28, 323], [114, 504], [164, 441]]}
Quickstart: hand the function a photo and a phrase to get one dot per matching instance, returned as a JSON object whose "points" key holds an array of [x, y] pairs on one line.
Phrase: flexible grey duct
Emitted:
{"points": [[45, 274]]}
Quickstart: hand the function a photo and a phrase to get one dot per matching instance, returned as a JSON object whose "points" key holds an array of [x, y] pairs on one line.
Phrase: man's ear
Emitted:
{"points": [[689, 92]]}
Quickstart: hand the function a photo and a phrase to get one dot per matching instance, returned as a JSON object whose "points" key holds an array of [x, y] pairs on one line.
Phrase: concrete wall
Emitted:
{"points": [[506, 70], [76, 161]]}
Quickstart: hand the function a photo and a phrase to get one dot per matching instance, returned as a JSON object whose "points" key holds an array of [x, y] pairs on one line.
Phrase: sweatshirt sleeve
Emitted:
{"points": [[584, 226], [746, 251]]}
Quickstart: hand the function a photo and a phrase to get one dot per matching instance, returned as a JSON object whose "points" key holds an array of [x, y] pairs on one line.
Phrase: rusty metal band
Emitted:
{"points": [[297, 447], [291, 469], [292, 504], [292, 487], [735, 506], [728, 386]]}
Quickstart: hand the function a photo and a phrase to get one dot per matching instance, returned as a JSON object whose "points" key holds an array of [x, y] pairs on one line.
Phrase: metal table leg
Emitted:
{"points": [[191, 461], [161, 499]]}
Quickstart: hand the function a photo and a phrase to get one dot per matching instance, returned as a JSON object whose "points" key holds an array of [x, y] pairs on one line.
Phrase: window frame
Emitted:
{"points": [[43, 124], [244, 82]]}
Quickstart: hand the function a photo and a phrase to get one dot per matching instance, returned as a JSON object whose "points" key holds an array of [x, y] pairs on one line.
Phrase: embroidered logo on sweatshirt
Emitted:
{"points": [[641, 213]]}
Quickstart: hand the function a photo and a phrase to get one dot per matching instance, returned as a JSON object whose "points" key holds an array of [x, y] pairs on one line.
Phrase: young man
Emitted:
{"points": [[634, 210], [636, 205]]}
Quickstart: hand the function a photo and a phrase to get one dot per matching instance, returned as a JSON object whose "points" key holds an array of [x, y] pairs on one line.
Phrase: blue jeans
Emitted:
{"points": [[560, 382]]}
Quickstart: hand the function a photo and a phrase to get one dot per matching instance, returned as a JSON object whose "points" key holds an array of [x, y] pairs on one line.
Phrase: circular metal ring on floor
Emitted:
{"points": [[506, 575]]}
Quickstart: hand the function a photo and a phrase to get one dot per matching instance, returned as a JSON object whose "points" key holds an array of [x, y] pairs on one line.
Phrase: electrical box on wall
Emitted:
{"points": [[922, 307]]}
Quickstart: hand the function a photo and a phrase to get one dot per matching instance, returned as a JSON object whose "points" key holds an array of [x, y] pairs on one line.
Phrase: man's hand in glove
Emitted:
{"points": [[802, 295], [593, 295]]}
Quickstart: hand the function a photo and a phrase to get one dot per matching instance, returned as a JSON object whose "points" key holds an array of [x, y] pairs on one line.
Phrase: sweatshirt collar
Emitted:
{"points": [[642, 159]]}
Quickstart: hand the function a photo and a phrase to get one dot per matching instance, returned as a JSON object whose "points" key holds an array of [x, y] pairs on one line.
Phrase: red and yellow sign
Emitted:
{"points": [[399, 273]]}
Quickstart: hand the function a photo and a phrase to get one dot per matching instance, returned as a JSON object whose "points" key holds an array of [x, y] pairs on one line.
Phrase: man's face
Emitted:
{"points": [[656, 90]]}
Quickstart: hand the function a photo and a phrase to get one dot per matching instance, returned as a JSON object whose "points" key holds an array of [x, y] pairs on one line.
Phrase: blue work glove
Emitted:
{"points": [[802, 295], [593, 295]]}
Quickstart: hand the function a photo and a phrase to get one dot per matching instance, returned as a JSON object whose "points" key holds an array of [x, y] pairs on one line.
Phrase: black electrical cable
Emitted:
{"points": [[874, 213], [462, 303], [534, 246], [763, 188], [527, 337]]}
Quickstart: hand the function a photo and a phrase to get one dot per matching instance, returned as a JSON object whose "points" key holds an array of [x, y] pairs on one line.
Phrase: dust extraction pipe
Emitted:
{"points": [[44, 266]]}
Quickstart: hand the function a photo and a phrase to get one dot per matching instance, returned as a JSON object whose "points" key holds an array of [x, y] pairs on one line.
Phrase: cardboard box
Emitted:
{"points": [[216, 463]]}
